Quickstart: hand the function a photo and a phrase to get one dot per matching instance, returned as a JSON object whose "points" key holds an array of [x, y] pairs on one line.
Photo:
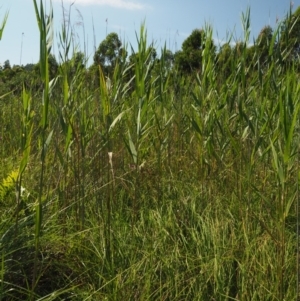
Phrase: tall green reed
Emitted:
{"points": [[26, 137], [284, 148], [142, 98], [46, 36], [2, 26], [162, 111], [2, 253]]}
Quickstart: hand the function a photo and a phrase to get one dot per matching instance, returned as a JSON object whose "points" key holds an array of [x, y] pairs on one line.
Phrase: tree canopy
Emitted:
{"points": [[189, 59], [109, 52]]}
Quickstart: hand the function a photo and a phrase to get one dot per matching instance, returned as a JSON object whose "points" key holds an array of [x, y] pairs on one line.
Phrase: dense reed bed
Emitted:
{"points": [[151, 185]]}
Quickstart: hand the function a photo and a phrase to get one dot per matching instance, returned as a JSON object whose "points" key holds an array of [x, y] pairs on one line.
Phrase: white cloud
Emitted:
{"points": [[122, 4]]}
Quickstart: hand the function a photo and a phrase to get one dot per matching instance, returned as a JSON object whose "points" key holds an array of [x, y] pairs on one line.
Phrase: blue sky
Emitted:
{"points": [[167, 21]]}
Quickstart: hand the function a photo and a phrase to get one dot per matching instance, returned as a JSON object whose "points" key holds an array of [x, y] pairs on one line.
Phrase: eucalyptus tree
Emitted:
{"points": [[189, 59], [109, 53]]}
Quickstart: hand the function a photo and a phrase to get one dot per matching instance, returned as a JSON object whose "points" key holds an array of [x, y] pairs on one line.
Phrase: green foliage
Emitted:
{"points": [[109, 53], [263, 44], [8, 185], [289, 36], [148, 180], [189, 59], [53, 66], [225, 59]]}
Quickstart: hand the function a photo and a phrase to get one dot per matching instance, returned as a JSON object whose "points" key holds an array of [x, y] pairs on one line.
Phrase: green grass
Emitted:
{"points": [[151, 185]]}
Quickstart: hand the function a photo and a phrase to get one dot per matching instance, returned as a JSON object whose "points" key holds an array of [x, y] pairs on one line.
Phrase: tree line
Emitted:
{"points": [[284, 43]]}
